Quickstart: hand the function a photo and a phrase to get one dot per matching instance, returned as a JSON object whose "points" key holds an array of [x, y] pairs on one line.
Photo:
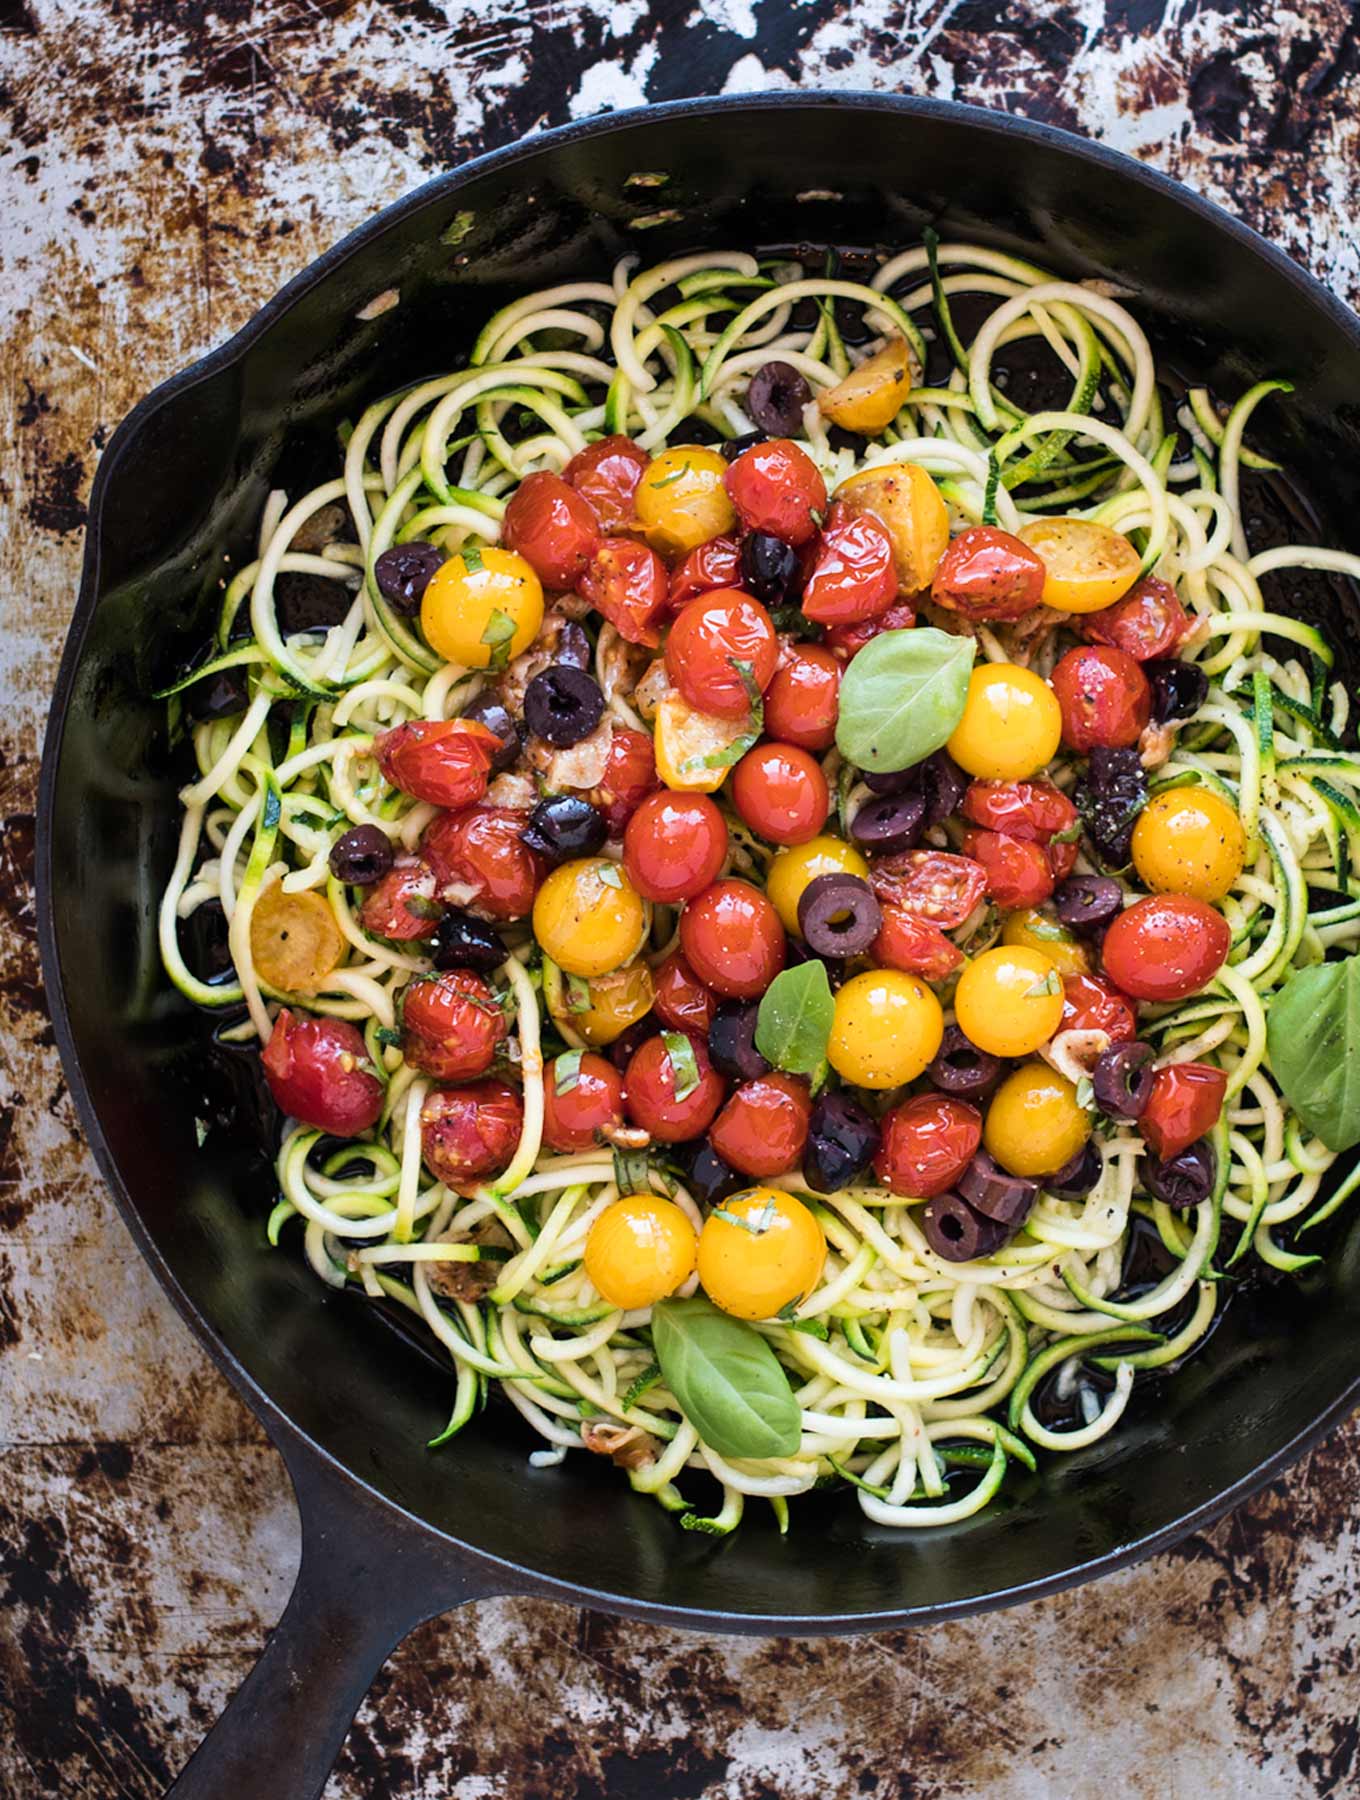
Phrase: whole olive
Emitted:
{"points": [[361, 857]]}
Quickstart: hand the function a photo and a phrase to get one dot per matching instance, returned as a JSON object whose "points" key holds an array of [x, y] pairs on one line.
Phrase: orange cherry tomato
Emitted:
{"points": [[853, 576], [1165, 947], [444, 761], [680, 999], [468, 1133], [716, 564], [627, 583], [1022, 809], [319, 1073], [480, 848], [733, 940], [1091, 1004], [803, 700], [402, 905], [932, 884], [582, 1098], [915, 946], [606, 475], [629, 776], [1018, 870], [722, 650], [1104, 696], [781, 793], [990, 574], [927, 1143], [451, 1025], [674, 845], [778, 489], [1148, 622], [1185, 1102], [763, 1128], [672, 1091], [845, 641], [551, 526]]}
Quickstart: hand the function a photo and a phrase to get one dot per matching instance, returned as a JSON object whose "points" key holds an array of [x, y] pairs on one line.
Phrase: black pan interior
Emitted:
{"points": [[178, 493]]}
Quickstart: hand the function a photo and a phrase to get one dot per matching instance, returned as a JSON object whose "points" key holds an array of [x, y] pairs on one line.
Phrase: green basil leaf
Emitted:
{"points": [[578, 994], [727, 1380], [388, 1037], [724, 759], [902, 696], [472, 559], [566, 1072], [608, 873], [684, 1064], [498, 636], [794, 1021], [795, 622], [1313, 1036], [632, 1171]]}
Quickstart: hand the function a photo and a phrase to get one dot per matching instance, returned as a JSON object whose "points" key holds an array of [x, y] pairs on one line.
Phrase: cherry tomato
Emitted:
{"points": [[1104, 696], [319, 1073], [1148, 622], [932, 884], [451, 1025], [481, 609], [759, 1252], [480, 861], [661, 1069], [1189, 840], [733, 940], [1086, 566], [588, 918], [1062, 859], [871, 396], [549, 524], [444, 761], [915, 946], [610, 1005], [853, 575], [680, 999], [716, 564], [295, 942], [1184, 1104], [606, 474], [763, 1128], [629, 776], [1011, 724], [1165, 947], [674, 845], [1009, 1000], [402, 906], [803, 700], [1022, 809], [582, 1098], [778, 489], [1018, 871], [681, 499], [1090, 1004], [794, 870], [846, 641], [927, 1143], [990, 574], [692, 747], [906, 502], [639, 1249], [886, 1028], [1035, 930], [781, 793], [721, 651], [468, 1133], [627, 583], [1034, 1123]]}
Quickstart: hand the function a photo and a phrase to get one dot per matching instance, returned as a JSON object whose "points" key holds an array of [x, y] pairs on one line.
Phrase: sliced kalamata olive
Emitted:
{"points": [[1110, 799], [309, 602], [889, 823], [988, 1189], [842, 1142], [776, 398], [573, 646], [957, 1233], [620, 1052], [732, 448], [563, 827], [362, 856], [1122, 1080], [1076, 1178], [939, 781], [893, 781], [961, 1069], [563, 705], [838, 915], [1087, 901], [218, 696], [711, 1180], [770, 569], [490, 710], [1179, 689], [1182, 1180], [403, 574], [732, 1041], [463, 941]]}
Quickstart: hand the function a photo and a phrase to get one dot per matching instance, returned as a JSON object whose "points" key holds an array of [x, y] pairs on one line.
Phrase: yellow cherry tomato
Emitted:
{"points": [[681, 500], [588, 917], [872, 395], [886, 1028], [639, 1249], [1009, 1000], [294, 940], [1189, 841], [1088, 565], [909, 506], [1034, 1124], [793, 869], [484, 614], [1031, 929], [685, 739], [1011, 724], [766, 1254], [603, 1009]]}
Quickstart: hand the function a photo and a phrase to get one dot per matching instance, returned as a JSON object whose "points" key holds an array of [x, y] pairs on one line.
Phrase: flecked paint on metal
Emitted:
{"points": [[167, 164]]}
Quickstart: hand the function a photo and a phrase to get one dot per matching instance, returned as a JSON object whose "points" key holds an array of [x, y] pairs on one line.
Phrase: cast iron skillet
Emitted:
{"points": [[392, 1533]]}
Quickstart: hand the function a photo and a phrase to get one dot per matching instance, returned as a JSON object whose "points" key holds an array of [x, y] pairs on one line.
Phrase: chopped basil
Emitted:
{"points": [[567, 1072], [684, 1064], [472, 558]]}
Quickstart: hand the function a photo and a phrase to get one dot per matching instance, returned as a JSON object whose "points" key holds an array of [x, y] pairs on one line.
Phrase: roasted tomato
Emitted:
{"points": [[763, 1128], [1018, 871], [680, 999], [1062, 858], [468, 1133], [1091, 1004], [444, 761], [803, 700], [481, 863], [1148, 622], [402, 906], [671, 1089], [988, 574], [606, 474], [1184, 1104], [582, 1099], [551, 526], [927, 1143], [932, 884], [1165, 947], [675, 844], [627, 583], [1022, 809], [915, 946], [1104, 696], [319, 1073], [733, 940], [451, 1024], [722, 652], [716, 564], [781, 793], [846, 641], [629, 776], [778, 489], [852, 577]]}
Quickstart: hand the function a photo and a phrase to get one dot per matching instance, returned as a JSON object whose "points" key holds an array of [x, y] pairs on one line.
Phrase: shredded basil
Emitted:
{"points": [[684, 1064], [567, 1072]]}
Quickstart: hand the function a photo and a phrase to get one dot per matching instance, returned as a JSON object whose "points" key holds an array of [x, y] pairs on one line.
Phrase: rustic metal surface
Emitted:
{"points": [[168, 164]]}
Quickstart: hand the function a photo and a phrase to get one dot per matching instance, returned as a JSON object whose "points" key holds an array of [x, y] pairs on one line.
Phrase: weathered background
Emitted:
{"points": [[166, 165]]}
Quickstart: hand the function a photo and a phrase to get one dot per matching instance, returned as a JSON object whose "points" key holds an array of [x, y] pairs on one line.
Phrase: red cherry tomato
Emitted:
{"points": [[444, 761], [846, 641], [716, 564], [1165, 946], [1104, 696], [803, 700], [629, 776], [1022, 809], [777, 488], [987, 573], [680, 999], [722, 645], [781, 793], [733, 940], [1185, 1102], [926, 1145], [582, 1097], [852, 577], [674, 845], [932, 884], [762, 1131], [319, 1073], [1149, 621], [402, 905], [468, 1133], [452, 1025], [1018, 871], [549, 524], [481, 863], [915, 946], [655, 1072], [1091, 1004], [1062, 859], [606, 474], [627, 583]]}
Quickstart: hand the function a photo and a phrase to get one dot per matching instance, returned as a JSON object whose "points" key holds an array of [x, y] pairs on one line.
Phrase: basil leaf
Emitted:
{"points": [[632, 1171], [498, 637], [724, 759], [472, 560], [609, 874], [727, 1380], [902, 696], [566, 1071], [578, 994], [684, 1064], [1313, 1036], [794, 1021]]}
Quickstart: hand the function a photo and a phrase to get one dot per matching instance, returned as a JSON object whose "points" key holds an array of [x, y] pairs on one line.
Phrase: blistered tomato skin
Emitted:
{"points": [[682, 500], [733, 940], [720, 649], [846, 641], [1184, 1105], [465, 612], [794, 869], [765, 1255], [762, 1130], [451, 1026], [468, 1133], [318, 1072], [627, 584], [650, 1091], [1034, 1124], [402, 906], [444, 761], [481, 848], [1087, 567], [781, 793], [1023, 809], [1104, 696], [778, 489], [589, 918], [802, 702], [1149, 622], [1189, 841], [1018, 870], [909, 506], [1011, 724], [1009, 1001], [887, 1026], [639, 1249], [716, 564], [606, 475], [629, 776], [927, 1143], [915, 946], [930, 884], [551, 526], [674, 846], [1165, 947], [988, 574], [582, 1098], [1090, 1004], [681, 1000], [853, 576]]}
